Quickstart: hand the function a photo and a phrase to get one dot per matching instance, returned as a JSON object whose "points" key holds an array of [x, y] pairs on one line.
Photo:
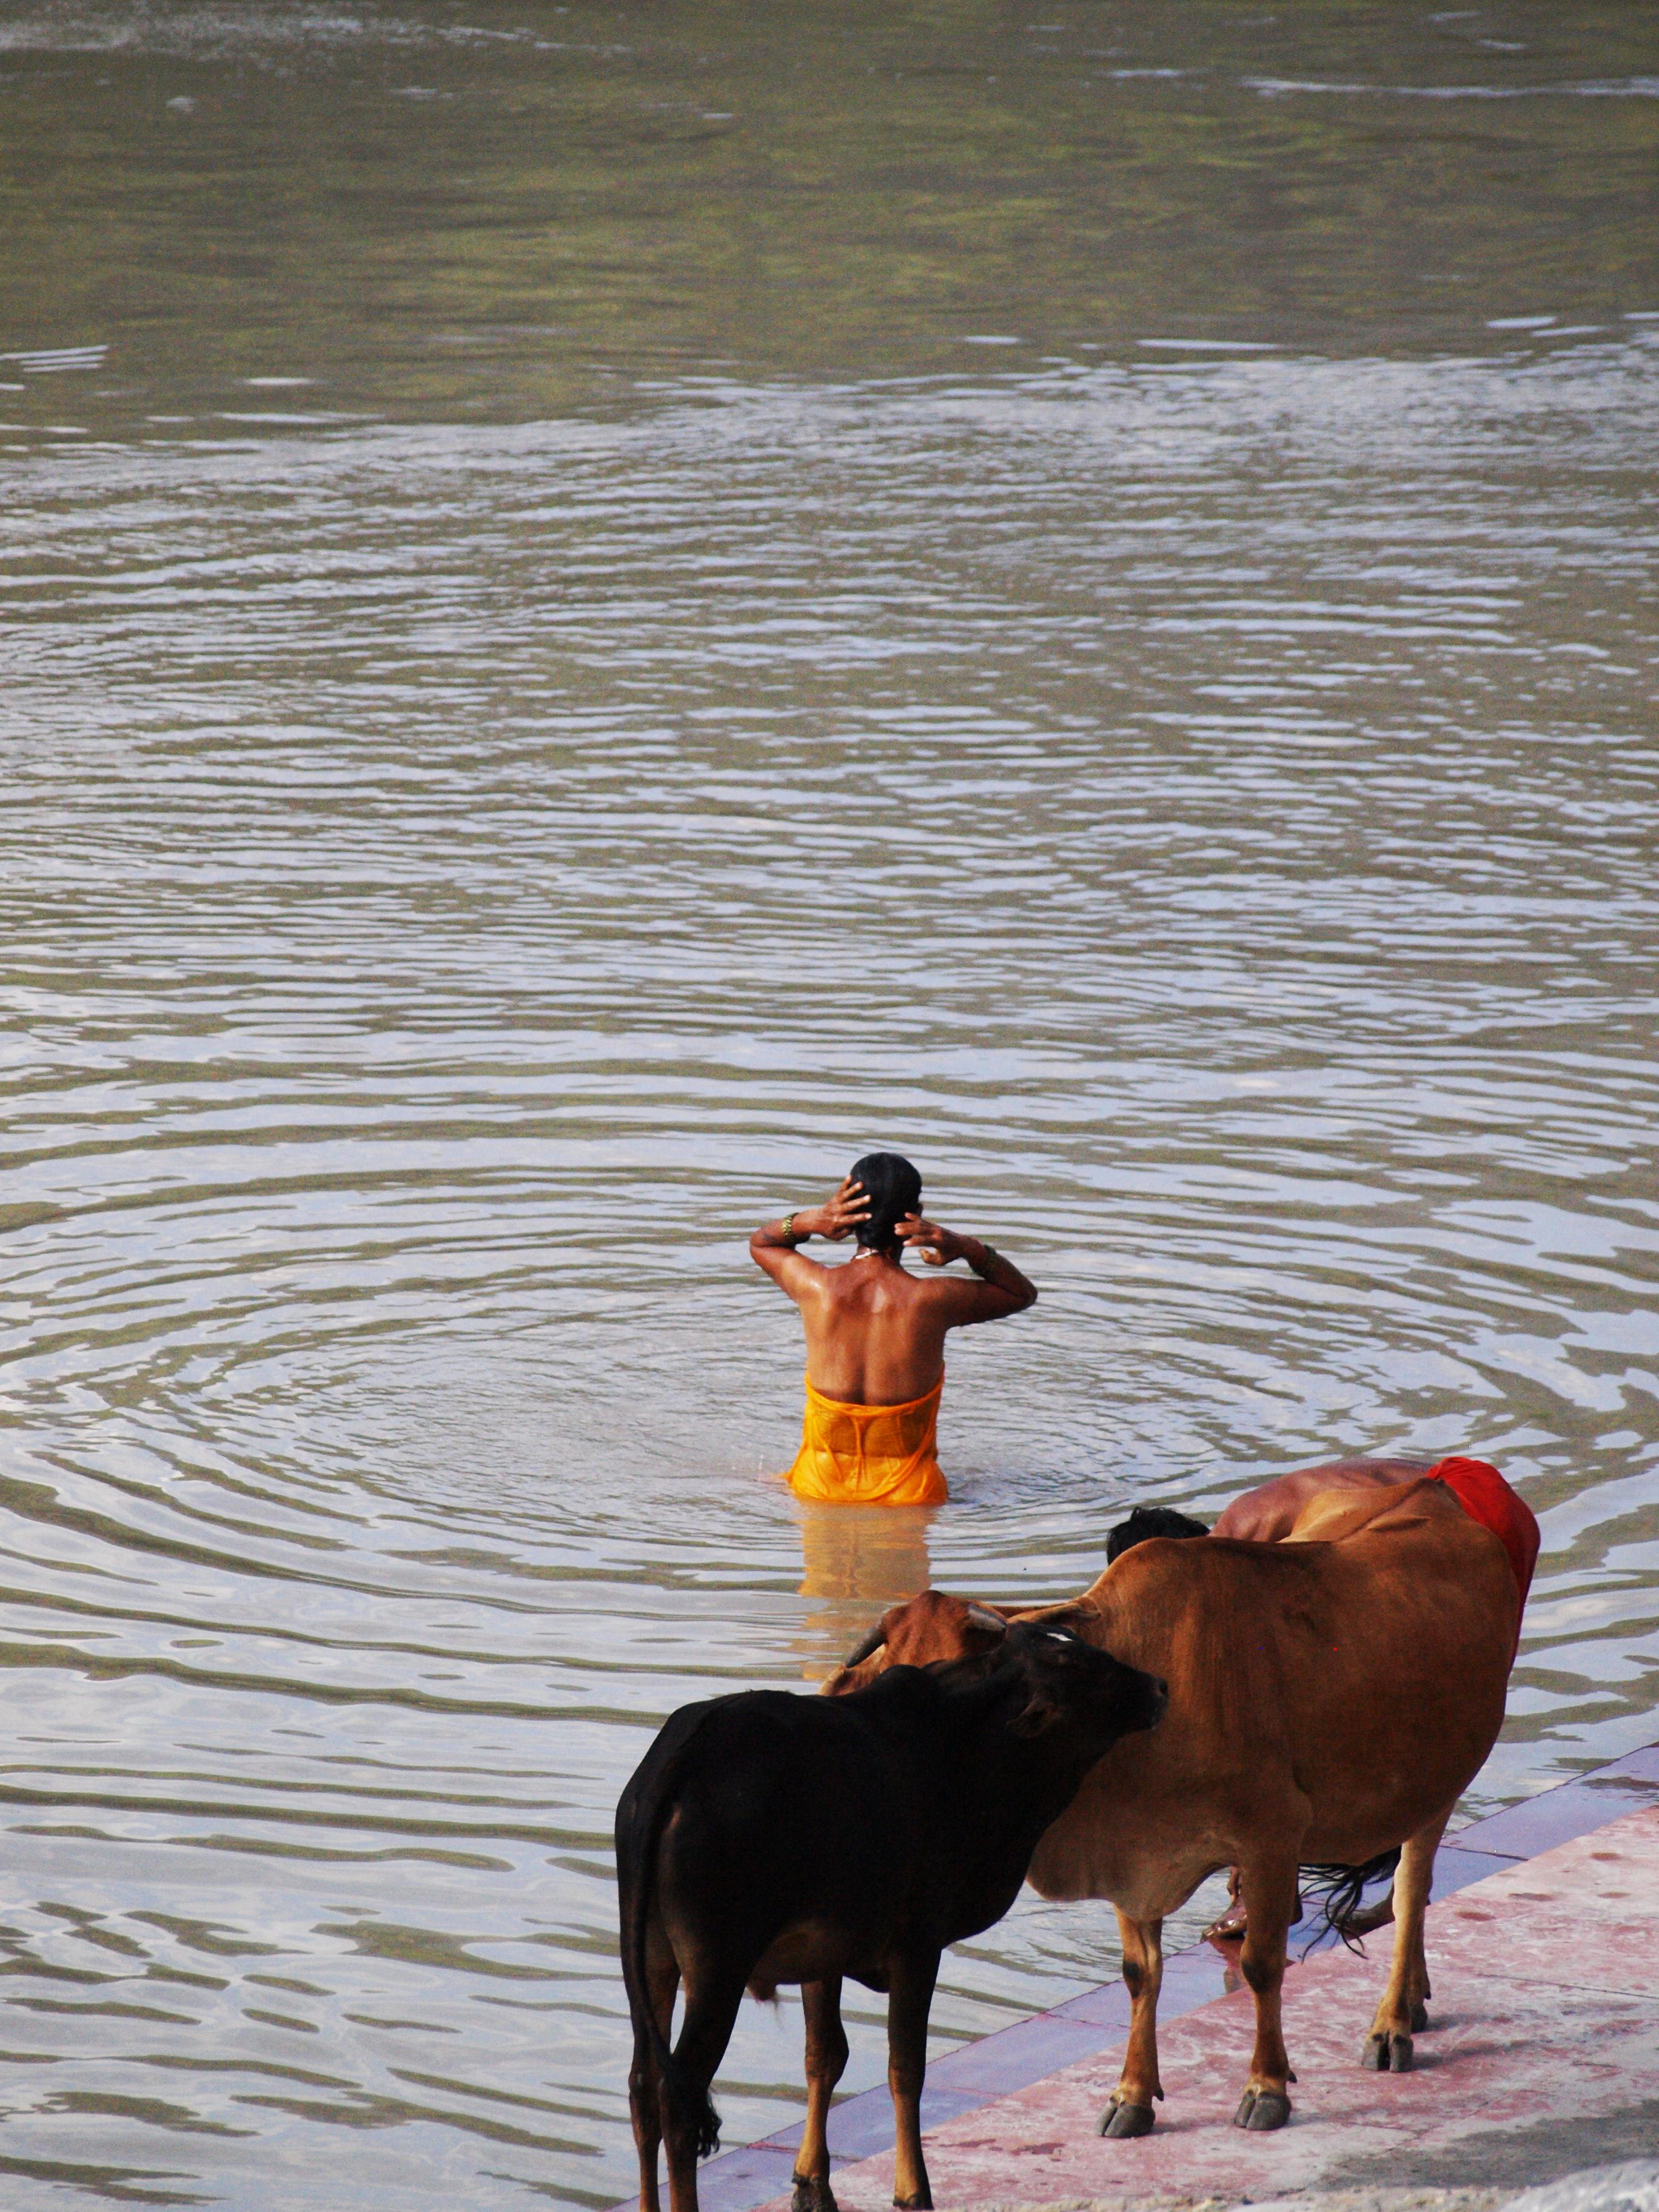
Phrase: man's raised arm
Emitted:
{"points": [[938, 1246], [774, 1243]]}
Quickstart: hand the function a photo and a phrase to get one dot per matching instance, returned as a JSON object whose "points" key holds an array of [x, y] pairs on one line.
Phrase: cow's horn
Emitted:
{"points": [[982, 1617], [866, 1645]]}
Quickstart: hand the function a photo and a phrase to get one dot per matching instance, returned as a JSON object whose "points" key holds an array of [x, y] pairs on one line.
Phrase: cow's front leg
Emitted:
{"points": [[1403, 2012], [1268, 1885], [826, 2062], [910, 1997], [1130, 2112]]}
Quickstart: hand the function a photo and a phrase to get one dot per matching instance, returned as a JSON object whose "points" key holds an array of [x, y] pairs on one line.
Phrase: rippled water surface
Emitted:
{"points": [[560, 687]]}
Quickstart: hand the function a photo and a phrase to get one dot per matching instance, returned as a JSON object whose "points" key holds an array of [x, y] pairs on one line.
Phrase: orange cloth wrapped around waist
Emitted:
{"points": [[870, 1454], [1486, 1497]]}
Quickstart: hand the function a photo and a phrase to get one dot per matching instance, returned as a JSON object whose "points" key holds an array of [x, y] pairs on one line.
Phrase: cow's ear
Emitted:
{"points": [[988, 1623], [1040, 1714]]}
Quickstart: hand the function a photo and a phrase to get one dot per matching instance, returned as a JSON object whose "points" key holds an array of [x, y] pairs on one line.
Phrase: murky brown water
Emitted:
{"points": [[1068, 590]]}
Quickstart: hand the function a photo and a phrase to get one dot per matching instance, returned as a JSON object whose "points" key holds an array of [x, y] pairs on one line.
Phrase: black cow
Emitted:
{"points": [[772, 1837]]}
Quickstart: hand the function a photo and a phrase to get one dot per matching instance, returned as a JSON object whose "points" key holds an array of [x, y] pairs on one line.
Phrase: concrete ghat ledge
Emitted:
{"points": [[1632, 2185], [1545, 2051]]}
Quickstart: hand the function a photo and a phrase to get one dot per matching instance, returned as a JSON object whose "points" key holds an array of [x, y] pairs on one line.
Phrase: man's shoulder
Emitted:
{"points": [[942, 1294]]}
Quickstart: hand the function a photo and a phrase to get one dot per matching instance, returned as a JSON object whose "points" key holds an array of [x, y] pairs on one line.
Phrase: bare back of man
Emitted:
{"points": [[875, 1332]]}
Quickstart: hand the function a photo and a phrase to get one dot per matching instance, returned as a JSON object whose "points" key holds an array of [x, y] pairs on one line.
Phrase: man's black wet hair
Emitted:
{"points": [[893, 1189], [1150, 1520]]}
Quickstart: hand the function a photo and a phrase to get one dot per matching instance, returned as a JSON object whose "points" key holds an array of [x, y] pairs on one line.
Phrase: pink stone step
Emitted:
{"points": [[1545, 2022]]}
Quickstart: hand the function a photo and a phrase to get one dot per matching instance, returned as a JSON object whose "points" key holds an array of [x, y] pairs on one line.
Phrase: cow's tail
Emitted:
{"points": [[688, 2107], [1337, 1890]]}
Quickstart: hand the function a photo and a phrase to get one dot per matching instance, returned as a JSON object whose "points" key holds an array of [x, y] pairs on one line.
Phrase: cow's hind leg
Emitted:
{"points": [[1130, 2112], [1402, 2012], [644, 2089], [826, 2062], [1269, 1890], [690, 2125], [910, 1996]]}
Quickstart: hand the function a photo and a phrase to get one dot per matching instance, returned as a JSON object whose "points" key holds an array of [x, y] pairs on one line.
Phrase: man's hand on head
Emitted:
{"points": [[836, 1219], [938, 1245], [839, 1216]]}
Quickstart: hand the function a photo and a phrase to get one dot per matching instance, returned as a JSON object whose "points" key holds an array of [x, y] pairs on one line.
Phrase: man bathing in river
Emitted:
{"points": [[875, 1334]]}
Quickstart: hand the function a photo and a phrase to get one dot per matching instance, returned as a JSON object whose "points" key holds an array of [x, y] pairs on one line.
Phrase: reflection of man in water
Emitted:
{"points": [[856, 1560], [875, 1334]]}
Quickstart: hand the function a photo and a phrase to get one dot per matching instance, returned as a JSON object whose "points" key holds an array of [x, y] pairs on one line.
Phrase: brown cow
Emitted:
{"points": [[1331, 1697], [1266, 1515]]}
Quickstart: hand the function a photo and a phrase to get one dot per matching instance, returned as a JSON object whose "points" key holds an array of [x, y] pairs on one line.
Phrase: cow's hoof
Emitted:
{"points": [[921, 2202], [1261, 2110], [1123, 2120], [1419, 2018], [1387, 2054], [813, 2196]]}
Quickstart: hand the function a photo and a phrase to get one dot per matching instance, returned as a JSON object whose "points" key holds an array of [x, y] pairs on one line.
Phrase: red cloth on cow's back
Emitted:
{"points": [[1486, 1497]]}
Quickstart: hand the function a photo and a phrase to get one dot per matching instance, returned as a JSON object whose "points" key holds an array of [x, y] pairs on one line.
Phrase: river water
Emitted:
{"points": [[605, 608]]}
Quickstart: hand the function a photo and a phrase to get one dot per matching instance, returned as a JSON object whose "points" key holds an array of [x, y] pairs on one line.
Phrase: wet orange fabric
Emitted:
{"points": [[1486, 1497], [870, 1454]]}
